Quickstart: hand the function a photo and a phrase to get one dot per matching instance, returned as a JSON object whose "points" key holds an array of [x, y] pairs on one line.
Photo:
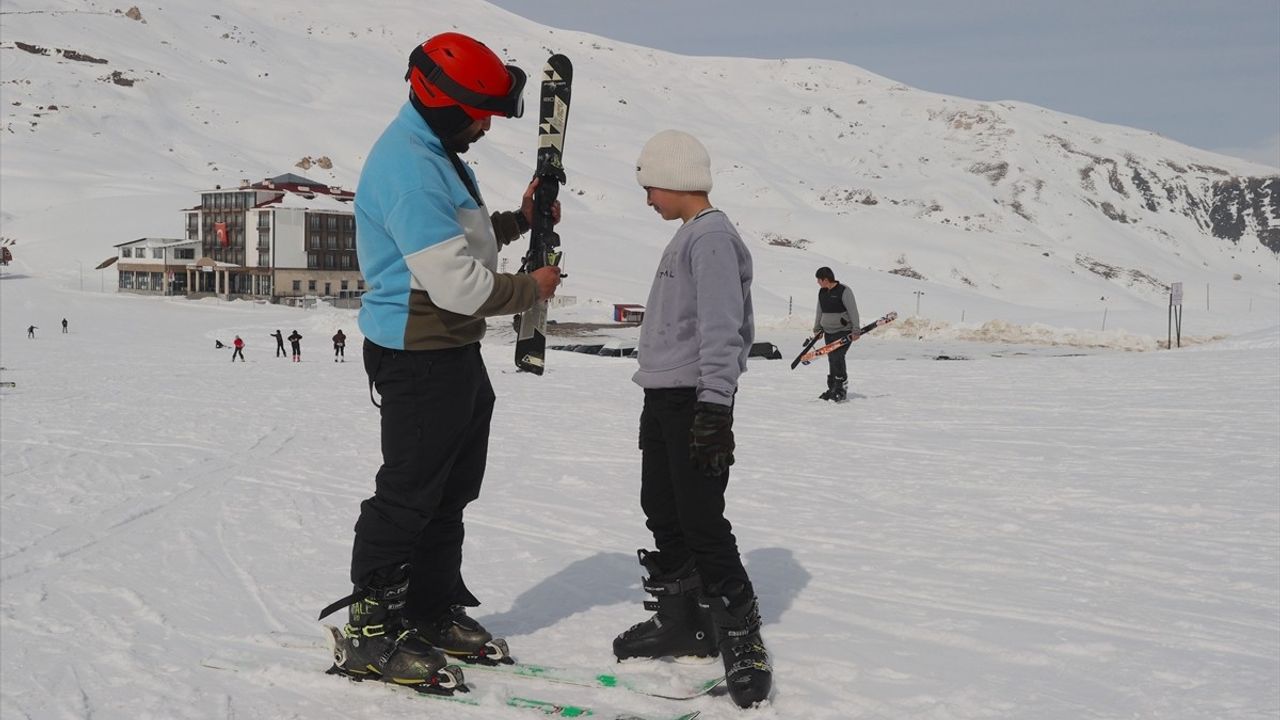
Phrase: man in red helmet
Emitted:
{"points": [[428, 248]]}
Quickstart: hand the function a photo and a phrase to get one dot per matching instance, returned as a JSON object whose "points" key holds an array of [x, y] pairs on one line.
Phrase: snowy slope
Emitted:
{"points": [[1053, 529], [1032, 533], [990, 203]]}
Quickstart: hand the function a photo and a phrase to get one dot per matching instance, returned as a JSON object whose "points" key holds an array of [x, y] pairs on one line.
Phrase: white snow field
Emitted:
{"points": [[1030, 533], [1075, 527]]}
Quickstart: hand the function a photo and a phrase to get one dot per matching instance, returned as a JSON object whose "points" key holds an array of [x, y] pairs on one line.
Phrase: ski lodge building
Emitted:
{"points": [[283, 239]]}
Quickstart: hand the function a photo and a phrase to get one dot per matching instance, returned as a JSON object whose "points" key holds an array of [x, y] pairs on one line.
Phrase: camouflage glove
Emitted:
{"points": [[711, 438]]}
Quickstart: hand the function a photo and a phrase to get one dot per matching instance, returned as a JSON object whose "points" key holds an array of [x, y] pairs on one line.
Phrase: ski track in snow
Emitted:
{"points": [[1040, 537]]}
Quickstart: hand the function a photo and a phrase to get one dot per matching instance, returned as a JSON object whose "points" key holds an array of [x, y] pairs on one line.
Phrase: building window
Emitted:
{"points": [[126, 280], [345, 263], [313, 261], [328, 262], [126, 252], [344, 284], [311, 285], [332, 243], [142, 281], [297, 286], [315, 241], [157, 253], [333, 222], [184, 253], [360, 285]]}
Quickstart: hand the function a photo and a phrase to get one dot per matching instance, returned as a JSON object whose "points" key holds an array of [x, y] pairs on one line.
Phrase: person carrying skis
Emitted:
{"points": [[295, 343], [429, 247], [836, 318], [238, 344], [279, 336], [339, 346], [694, 342]]}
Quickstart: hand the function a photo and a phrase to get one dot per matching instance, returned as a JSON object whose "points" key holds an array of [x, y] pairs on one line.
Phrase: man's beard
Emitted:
{"points": [[461, 142]]}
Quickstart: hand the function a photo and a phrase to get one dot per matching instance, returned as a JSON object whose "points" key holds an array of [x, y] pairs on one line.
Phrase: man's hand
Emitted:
{"points": [[547, 277], [526, 205], [711, 438]]}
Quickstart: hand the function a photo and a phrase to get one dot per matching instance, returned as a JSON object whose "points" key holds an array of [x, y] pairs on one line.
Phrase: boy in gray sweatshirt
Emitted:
{"points": [[694, 342]]}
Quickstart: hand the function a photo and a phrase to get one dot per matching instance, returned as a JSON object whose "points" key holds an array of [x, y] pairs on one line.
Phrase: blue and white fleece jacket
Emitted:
{"points": [[427, 249]]}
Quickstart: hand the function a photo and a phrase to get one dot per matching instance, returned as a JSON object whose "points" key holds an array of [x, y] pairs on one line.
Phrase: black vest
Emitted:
{"points": [[832, 301]]}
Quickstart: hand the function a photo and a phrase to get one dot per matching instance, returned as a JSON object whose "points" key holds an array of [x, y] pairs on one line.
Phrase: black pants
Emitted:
{"points": [[297, 349], [684, 507], [237, 353], [835, 360], [339, 350], [436, 408], [280, 350]]}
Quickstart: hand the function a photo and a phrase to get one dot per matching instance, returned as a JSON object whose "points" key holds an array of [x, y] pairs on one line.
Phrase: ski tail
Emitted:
{"points": [[804, 350]]}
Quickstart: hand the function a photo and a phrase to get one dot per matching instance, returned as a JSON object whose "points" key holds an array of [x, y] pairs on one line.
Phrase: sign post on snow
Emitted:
{"points": [[1175, 314]]}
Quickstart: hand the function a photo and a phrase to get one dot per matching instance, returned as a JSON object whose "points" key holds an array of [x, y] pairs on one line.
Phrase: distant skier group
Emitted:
{"points": [[31, 330], [295, 346]]}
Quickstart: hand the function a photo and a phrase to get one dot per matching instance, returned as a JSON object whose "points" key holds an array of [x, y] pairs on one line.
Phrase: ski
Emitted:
{"points": [[542, 706], [544, 242], [599, 680], [808, 357], [548, 673], [804, 350]]}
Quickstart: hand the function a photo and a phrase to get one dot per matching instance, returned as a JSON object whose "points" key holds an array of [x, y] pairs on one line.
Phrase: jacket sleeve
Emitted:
{"points": [[720, 310], [508, 226], [851, 307], [817, 317]]}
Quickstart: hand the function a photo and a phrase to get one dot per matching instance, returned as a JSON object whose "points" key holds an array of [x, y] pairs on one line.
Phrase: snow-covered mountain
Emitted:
{"points": [[114, 116]]}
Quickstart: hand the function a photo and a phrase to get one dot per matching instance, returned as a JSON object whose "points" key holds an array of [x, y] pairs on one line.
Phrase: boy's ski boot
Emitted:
{"points": [[736, 614], [459, 635], [831, 388], [377, 644], [680, 627], [839, 389]]}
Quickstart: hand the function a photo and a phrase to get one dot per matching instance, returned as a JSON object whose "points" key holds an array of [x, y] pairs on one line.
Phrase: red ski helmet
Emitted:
{"points": [[454, 70]]}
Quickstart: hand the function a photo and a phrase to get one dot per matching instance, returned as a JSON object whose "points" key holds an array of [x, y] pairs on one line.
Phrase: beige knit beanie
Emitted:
{"points": [[674, 160]]}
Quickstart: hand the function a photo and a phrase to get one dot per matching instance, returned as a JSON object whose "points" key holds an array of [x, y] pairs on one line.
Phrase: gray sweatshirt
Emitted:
{"points": [[698, 324]]}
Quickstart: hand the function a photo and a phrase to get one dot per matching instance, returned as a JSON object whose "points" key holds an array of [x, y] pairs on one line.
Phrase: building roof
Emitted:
{"points": [[315, 202], [158, 242]]}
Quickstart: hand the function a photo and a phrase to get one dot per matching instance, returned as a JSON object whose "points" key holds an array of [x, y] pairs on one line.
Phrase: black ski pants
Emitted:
{"points": [[436, 408], [280, 350], [836, 367], [340, 351], [684, 507]]}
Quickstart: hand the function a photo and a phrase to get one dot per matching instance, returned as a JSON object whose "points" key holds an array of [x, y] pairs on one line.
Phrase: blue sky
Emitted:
{"points": [[1203, 73]]}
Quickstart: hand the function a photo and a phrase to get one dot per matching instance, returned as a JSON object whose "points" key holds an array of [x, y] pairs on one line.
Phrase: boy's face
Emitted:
{"points": [[826, 284], [665, 202]]}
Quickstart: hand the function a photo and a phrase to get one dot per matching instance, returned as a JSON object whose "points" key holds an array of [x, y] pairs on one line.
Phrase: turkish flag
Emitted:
{"points": [[221, 230]]}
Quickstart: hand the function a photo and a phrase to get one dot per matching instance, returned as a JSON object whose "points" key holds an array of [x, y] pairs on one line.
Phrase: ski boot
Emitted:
{"points": [[679, 626], [839, 389], [377, 644], [460, 636], [831, 388], [736, 614]]}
